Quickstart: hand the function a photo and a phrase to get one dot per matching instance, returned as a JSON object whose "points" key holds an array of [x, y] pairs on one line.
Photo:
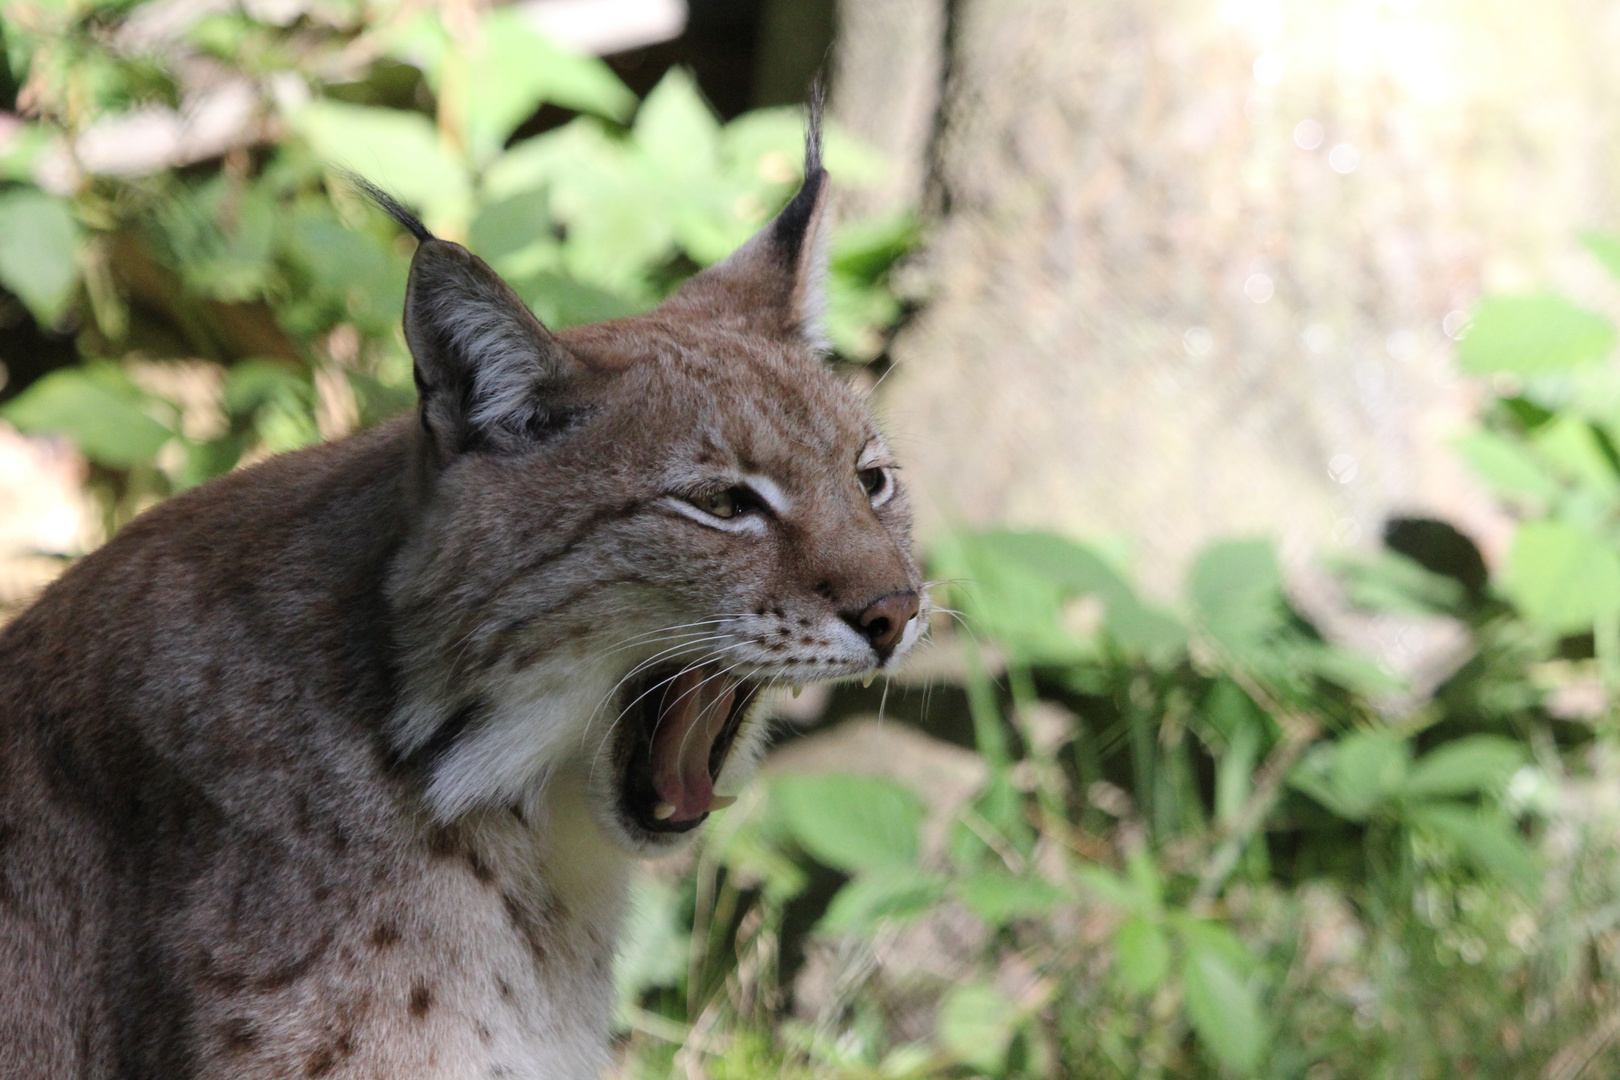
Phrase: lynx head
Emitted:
{"points": [[628, 531]]}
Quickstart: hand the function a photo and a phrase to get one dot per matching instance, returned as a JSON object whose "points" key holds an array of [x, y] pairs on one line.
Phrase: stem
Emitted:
{"points": [[1606, 643], [987, 721], [1299, 731]]}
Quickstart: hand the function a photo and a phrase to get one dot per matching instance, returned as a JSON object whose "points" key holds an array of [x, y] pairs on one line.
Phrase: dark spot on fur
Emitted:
{"points": [[481, 869], [824, 589], [421, 1000], [303, 816], [522, 925], [444, 843], [497, 1071], [385, 935], [485, 1035], [238, 1035], [284, 976], [320, 1063], [8, 836], [804, 621], [504, 987]]}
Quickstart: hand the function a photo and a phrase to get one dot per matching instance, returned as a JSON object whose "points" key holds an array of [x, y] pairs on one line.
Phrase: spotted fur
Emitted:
{"points": [[320, 770]]}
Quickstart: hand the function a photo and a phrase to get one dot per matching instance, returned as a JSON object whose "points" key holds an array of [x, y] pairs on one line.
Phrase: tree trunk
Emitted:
{"points": [[1190, 265]]}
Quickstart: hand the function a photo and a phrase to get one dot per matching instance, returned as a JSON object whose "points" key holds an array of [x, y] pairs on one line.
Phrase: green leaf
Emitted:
{"points": [[999, 898], [355, 275], [39, 252], [1606, 248], [1224, 1010], [509, 225], [222, 237], [977, 1024], [1355, 775], [1528, 335], [1561, 577], [1394, 583], [1234, 773], [1475, 763], [398, 150], [1368, 768], [252, 384], [880, 895], [1235, 588], [98, 408], [1114, 890], [849, 822], [518, 69], [1141, 955], [677, 132], [653, 947], [562, 301], [20, 150], [1359, 674], [864, 249], [1506, 467], [768, 144], [1145, 879], [1572, 447], [1486, 838]]}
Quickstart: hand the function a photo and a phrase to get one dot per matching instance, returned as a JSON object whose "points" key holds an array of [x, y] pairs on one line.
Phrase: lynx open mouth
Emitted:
{"points": [[684, 724]]}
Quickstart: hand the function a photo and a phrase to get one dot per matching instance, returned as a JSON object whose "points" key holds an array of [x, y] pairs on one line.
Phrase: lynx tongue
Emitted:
{"points": [[691, 716]]}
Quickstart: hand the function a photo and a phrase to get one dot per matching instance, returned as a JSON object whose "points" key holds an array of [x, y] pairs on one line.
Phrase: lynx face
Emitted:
{"points": [[629, 531]]}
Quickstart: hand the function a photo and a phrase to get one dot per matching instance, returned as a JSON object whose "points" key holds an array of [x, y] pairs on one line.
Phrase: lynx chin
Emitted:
{"points": [[337, 767]]}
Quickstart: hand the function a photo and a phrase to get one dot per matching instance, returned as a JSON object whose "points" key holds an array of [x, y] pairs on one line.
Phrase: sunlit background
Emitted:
{"points": [[1251, 365]]}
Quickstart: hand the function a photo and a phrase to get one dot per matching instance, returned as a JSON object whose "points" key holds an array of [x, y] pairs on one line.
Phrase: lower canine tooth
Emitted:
{"points": [[664, 811], [720, 802]]}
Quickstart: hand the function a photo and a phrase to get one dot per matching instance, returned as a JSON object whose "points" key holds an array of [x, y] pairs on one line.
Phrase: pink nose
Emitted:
{"points": [[884, 620]]}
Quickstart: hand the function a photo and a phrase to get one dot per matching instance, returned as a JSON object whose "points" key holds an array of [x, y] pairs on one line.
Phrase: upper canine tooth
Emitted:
{"points": [[866, 680], [664, 811], [798, 688], [720, 802]]}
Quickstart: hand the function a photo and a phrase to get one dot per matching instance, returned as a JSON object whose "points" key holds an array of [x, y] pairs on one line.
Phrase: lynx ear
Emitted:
{"points": [[489, 376], [774, 283]]}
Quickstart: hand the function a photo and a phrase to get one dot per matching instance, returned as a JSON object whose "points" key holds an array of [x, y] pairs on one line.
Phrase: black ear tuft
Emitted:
{"points": [[489, 376], [796, 223], [772, 285], [389, 205]]}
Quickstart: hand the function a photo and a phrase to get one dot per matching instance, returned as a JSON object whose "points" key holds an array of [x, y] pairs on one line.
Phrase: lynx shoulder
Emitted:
{"points": [[337, 766]]}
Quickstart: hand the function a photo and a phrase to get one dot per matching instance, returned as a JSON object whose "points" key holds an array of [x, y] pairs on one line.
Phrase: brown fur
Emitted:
{"points": [[320, 770]]}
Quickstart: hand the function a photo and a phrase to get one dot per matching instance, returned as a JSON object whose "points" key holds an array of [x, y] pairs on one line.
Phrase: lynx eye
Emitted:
{"points": [[876, 482], [726, 503]]}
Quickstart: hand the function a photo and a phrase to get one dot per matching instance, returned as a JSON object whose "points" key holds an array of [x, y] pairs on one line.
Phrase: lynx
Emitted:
{"points": [[337, 766]]}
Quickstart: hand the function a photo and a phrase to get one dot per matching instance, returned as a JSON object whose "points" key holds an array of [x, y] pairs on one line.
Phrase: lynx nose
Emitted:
{"points": [[884, 621]]}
